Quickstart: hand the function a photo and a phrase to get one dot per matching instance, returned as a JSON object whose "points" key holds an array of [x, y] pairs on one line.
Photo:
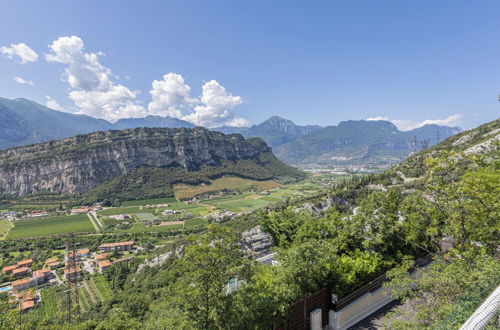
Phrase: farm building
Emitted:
{"points": [[80, 210], [37, 214], [118, 246], [121, 216]]}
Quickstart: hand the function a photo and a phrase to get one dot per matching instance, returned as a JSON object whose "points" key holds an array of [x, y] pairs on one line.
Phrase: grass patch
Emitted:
{"points": [[51, 226]]}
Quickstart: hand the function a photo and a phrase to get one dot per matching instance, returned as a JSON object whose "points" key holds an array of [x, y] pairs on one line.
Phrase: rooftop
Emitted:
{"points": [[27, 261], [9, 268], [72, 270], [116, 244], [27, 304], [20, 282], [105, 263], [20, 270]]}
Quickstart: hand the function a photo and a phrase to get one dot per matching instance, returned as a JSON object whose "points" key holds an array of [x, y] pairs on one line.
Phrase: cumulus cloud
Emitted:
{"points": [[171, 96], [407, 125], [92, 89], [216, 107], [20, 51], [53, 104], [22, 81]]}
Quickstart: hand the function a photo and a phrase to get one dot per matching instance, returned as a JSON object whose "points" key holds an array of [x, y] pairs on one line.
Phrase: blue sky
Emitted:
{"points": [[239, 62]]}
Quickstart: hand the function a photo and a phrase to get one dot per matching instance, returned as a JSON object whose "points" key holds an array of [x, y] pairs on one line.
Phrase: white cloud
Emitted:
{"points": [[172, 97], [169, 96], [21, 51], [216, 107], [22, 81], [92, 89], [407, 125], [53, 104]]}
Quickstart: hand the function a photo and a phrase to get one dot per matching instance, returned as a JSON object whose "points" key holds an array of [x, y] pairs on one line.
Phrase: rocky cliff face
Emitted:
{"points": [[82, 162]]}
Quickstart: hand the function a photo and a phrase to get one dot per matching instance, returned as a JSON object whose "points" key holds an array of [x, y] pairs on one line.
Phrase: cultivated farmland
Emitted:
{"points": [[51, 226], [4, 228], [183, 191]]}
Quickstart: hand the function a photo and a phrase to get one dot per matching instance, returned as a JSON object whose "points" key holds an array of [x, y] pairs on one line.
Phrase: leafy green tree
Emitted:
{"points": [[205, 268], [263, 299], [283, 225], [8, 319], [465, 191], [447, 292]]}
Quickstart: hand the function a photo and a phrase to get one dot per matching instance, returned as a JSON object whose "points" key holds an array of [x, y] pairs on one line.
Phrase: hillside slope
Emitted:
{"points": [[81, 163], [34, 123]]}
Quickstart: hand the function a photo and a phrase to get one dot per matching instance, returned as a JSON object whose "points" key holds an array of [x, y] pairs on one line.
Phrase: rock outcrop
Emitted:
{"points": [[82, 162]]}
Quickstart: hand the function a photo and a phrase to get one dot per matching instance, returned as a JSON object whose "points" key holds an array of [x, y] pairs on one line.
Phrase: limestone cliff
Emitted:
{"points": [[82, 162]]}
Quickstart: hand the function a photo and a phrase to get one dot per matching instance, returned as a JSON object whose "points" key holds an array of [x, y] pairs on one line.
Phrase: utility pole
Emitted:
{"points": [[72, 271], [425, 143]]}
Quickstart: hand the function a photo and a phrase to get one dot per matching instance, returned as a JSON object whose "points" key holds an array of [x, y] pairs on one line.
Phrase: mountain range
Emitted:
{"points": [[24, 122]]}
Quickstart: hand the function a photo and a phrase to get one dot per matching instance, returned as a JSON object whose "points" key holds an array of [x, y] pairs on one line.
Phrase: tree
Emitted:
{"points": [[283, 225], [205, 268], [464, 191], [8, 319], [445, 294]]}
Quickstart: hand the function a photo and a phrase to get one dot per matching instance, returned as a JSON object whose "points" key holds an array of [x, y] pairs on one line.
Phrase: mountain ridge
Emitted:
{"points": [[83, 162], [25, 122]]}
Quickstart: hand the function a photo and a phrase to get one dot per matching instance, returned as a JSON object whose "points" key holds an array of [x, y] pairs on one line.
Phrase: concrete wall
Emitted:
{"points": [[359, 309]]}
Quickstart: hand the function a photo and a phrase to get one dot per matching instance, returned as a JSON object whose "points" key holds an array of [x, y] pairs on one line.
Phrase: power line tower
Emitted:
{"points": [[72, 272], [413, 144]]}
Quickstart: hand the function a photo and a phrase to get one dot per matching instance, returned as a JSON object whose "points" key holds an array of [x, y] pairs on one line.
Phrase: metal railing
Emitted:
{"points": [[483, 314]]}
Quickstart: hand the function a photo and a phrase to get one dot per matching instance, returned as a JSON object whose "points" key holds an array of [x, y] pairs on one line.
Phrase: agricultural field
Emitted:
{"points": [[183, 191], [51, 226], [120, 210], [4, 228], [248, 202], [92, 291], [196, 222], [146, 216], [140, 228], [154, 201]]}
